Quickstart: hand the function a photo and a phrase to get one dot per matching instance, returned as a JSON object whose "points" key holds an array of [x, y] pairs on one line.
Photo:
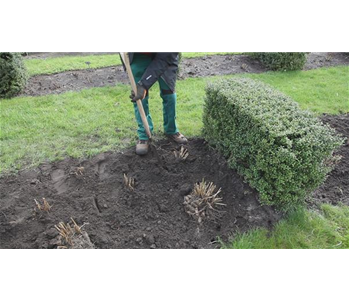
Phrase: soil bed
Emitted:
{"points": [[336, 188], [92, 192], [151, 216]]}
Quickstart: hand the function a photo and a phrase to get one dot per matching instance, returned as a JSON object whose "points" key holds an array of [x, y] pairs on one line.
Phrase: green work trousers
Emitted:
{"points": [[139, 65]]}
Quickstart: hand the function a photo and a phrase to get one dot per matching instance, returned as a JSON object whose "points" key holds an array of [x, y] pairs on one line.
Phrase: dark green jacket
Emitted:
{"points": [[164, 65]]}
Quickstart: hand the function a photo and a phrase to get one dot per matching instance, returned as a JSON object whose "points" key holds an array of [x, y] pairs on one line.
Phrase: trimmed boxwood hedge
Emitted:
{"points": [[13, 74], [282, 151], [282, 61]]}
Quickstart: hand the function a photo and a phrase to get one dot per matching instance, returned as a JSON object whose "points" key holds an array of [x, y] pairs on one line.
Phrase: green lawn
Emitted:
{"points": [[321, 90], [38, 66], [303, 229], [34, 129]]}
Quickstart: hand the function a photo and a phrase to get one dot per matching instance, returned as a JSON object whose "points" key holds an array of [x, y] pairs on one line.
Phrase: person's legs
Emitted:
{"points": [[169, 101], [139, 65]]}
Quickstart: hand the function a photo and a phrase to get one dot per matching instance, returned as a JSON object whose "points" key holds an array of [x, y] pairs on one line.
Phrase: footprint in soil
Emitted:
{"points": [[101, 169], [63, 182], [59, 181]]}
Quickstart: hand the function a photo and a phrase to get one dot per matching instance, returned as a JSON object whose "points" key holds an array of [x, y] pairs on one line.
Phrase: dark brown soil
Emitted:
{"points": [[336, 188], [74, 81], [212, 65], [326, 59], [151, 216], [193, 67]]}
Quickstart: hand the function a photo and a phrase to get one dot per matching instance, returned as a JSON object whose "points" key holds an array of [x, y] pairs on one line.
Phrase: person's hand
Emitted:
{"points": [[141, 93]]}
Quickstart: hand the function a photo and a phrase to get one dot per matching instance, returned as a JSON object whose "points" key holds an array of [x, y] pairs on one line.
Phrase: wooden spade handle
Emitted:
{"points": [[126, 60]]}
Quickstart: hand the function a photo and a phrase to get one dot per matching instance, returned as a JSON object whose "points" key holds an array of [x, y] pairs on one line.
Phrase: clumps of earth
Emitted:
{"points": [[121, 200]]}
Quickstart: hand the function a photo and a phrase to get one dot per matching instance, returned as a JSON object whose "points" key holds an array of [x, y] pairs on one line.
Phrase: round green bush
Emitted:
{"points": [[282, 61], [13, 74]]}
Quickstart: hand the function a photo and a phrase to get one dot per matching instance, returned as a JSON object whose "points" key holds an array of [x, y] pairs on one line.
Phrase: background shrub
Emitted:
{"points": [[282, 61], [13, 74], [281, 150]]}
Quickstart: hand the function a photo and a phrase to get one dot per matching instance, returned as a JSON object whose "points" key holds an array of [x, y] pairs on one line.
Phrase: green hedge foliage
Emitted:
{"points": [[282, 61], [281, 150], [13, 74]]}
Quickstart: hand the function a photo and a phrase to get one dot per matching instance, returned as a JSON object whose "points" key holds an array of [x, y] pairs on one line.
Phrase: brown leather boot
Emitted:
{"points": [[178, 138], [142, 147]]}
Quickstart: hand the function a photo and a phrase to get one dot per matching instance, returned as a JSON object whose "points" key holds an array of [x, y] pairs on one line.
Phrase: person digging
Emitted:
{"points": [[148, 68]]}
